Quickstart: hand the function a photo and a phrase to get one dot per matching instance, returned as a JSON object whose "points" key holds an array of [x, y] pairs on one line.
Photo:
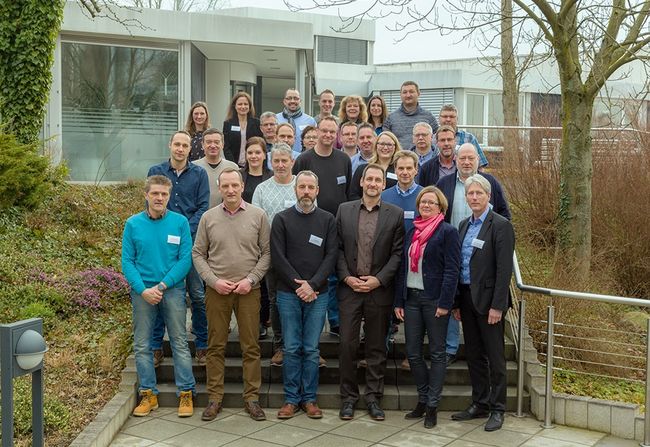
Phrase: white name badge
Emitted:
{"points": [[391, 175], [477, 243], [409, 214], [289, 203], [341, 180], [171, 239], [317, 241], [235, 128]]}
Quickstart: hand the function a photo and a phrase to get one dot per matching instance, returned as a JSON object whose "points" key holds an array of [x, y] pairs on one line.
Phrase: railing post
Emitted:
{"points": [[646, 418], [548, 403], [520, 359]]}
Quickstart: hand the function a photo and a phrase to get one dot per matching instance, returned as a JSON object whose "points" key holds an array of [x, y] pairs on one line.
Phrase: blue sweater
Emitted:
{"points": [[156, 250], [391, 195]]}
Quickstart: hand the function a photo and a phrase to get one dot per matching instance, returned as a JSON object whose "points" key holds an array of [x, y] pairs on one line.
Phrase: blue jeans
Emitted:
{"points": [[172, 311], [196, 290], [332, 303], [453, 336], [302, 324], [420, 316]]}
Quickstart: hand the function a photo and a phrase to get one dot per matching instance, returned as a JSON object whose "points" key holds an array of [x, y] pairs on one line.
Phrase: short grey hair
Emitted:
{"points": [[467, 146], [480, 181], [425, 125], [449, 108], [266, 115], [307, 173], [281, 148]]}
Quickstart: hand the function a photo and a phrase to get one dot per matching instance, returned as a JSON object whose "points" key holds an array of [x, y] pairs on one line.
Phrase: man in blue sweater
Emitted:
{"points": [[190, 196], [406, 191], [156, 256]]}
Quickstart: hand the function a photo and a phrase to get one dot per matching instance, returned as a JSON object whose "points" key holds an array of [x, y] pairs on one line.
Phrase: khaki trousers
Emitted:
{"points": [[219, 308]]}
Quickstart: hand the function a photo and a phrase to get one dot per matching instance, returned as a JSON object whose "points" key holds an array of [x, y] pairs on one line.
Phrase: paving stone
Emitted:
{"points": [[446, 428], [410, 438], [123, 440], [329, 421], [522, 425], [540, 441], [576, 412], [600, 416], [238, 424], [156, 431], [612, 441], [201, 437], [366, 431], [280, 435], [570, 434], [329, 440], [623, 421], [499, 438]]}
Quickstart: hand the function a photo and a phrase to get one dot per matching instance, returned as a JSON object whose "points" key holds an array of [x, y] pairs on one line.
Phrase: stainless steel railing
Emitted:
{"points": [[550, 343]]}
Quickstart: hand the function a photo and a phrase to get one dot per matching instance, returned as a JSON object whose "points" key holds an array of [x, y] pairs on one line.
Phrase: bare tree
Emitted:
{"points": [[590, 41], [107, 8]]}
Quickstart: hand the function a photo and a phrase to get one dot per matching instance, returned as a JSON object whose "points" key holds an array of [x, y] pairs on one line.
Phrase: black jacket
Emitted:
{"points": [[232, 138]]}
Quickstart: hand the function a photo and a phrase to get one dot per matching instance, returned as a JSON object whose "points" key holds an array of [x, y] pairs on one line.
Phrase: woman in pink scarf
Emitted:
{"points": [[426, 286]]}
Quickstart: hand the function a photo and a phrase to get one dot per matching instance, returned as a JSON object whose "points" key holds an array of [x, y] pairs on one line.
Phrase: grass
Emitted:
{"points": [[61, 261]]}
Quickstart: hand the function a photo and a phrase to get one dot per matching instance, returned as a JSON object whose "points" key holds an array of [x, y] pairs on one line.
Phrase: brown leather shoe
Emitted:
{"points": [[201, 356], [312, 410], [322, 363], [158, 357], [287, 411], [211, 411], [254, 410]]}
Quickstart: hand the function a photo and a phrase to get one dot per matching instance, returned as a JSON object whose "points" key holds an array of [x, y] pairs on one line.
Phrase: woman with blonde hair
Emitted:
{"points": [[240, 125], [383, 149], [198, 120], [352, 108]]}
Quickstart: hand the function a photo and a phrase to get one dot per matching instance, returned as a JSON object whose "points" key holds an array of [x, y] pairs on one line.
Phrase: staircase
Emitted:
{"points": [[399, 392]]}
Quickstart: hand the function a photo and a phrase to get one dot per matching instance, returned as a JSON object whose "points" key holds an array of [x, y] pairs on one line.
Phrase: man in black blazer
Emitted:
{"points": [[371, 235], [488, 243], [444, 163]]}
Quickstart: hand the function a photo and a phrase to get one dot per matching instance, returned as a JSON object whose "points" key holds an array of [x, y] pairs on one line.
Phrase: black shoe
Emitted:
{"points": [[417, 412], [451, 358], [495, 422], [347, 411], [431, 417], [375, 412], [335, 330], [472, 412], [263, 332]]}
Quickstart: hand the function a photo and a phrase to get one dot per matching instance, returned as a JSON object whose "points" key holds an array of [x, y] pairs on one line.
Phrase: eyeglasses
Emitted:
{"points": [[292, 98], [386, 144], [429, 202]]}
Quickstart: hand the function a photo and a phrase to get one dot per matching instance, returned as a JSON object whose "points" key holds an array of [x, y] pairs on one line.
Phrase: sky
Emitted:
{"points": [[418, 46]]}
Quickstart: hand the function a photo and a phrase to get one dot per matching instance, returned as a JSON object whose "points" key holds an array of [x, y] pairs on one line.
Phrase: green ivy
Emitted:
{"points": [[28, 31]]}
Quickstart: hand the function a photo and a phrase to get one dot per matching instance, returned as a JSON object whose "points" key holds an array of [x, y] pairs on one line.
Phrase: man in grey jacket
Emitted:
{"points": [[402, 120]]}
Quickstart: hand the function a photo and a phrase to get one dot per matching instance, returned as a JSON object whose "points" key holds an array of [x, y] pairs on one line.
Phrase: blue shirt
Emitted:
{"points": [[190, 195], [466, 250], [302, 121], [156, 250], [357, 160], [460, 210], [422, 159]]}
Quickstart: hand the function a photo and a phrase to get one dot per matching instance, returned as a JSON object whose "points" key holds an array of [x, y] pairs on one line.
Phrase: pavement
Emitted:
{"points": [[233, 428]]}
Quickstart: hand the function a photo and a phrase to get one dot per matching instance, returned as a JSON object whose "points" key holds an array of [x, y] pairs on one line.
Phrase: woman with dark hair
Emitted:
{"points": [[309, 138], [383, 153], [378, 113], [255, 170], [239, 127], [425, 289], [198, 120]]}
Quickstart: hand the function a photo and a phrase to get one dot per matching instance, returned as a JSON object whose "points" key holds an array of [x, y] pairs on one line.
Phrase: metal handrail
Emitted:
{"points": [[610, 299]]}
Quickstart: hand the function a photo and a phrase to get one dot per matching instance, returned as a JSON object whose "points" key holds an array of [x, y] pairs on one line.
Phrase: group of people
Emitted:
{"points": [[360, 220]]}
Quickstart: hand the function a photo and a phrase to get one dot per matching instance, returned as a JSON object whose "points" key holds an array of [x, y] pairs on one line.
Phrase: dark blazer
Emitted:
{"points": [[491, 266], [232, 138], [429, 172], [440, 267], [386, 252], [447, 185], [355, 186]]}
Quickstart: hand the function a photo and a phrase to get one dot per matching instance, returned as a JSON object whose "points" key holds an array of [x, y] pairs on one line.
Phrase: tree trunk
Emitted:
{"points": [[510, 97], [573, 253]]}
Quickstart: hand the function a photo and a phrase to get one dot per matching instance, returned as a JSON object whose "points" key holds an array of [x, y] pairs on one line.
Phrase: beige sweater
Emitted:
{"points": [[213, 177], [232, 247]]}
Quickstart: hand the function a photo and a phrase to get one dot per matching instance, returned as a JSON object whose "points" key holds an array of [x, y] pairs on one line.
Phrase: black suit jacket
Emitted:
{"points": [[430, 173], [386, 252], [490, 267], [447, 185], [232, 138]]}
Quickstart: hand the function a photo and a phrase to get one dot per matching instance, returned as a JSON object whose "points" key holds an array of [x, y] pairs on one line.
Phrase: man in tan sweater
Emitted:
{"points": [[232, 254]]}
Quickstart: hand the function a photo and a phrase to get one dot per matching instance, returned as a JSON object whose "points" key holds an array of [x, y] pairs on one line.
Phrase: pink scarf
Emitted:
{"points": [[424, 229]]}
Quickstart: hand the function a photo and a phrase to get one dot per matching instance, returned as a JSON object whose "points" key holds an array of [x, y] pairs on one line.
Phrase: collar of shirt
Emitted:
{"points": [[376, 207], [408, 192], [481, 219], [187, 167], [313, 208], [242, 207], [450, 165], [426, 157], [164, 213]]}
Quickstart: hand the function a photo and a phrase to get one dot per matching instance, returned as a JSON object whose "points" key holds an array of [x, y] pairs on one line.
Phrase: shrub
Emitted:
{"points": [[25, 176]]}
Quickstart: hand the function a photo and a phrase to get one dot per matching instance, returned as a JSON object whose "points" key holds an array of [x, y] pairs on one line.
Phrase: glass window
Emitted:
{"points": [[342, 51], [120, 105], [475, 113]]}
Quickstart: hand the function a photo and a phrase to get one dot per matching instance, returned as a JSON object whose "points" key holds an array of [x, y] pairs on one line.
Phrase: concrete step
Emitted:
{"points": [[457, 373], [454, 397], [329, 345]]}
